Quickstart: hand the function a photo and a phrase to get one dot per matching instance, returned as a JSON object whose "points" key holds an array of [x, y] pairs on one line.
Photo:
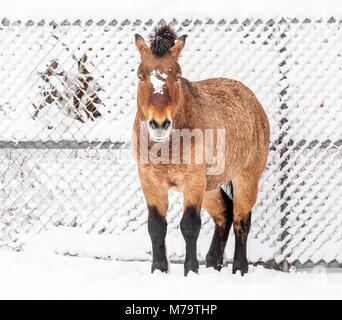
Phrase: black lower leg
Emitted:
{"points": [[157, 229], [215, 254], [241, 230], [190, 226]]}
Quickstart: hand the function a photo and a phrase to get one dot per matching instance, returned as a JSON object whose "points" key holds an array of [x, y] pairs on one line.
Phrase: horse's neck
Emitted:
{"points": [[184, 117]]}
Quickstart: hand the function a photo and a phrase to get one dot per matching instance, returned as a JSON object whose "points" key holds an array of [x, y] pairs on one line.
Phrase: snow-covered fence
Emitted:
{"points": [[67, 103]]}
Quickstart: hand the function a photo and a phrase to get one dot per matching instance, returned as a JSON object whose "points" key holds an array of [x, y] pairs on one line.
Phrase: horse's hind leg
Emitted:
{"points": [[245, 194], [220, 207], [241, 230]]}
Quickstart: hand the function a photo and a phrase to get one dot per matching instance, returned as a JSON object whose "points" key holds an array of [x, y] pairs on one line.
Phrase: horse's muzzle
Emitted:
{"points": [[159, 132]]}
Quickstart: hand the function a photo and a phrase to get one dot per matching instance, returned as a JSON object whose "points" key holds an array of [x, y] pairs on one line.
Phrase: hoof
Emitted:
{"points": [[162, 266], [241, 265], [192, 266], [213, 261]]}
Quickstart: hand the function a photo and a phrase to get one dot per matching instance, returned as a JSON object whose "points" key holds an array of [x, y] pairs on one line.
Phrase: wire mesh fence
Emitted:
{"points": [[67, 104]]}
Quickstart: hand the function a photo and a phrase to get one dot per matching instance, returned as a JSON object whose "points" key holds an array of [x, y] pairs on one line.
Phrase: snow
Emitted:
{"points": [[129, 246], [66, 263], [93, 189], [42, 274], [157, 84], [168, 9]]}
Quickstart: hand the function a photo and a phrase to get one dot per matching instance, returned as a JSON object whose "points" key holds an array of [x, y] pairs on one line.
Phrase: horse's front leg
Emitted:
{"points": [[157, 203], [157, 227], [190, 224]]}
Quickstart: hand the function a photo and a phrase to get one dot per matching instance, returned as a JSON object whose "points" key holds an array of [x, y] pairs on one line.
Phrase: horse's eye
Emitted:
{"points": [[177, 79], [141, 79]]}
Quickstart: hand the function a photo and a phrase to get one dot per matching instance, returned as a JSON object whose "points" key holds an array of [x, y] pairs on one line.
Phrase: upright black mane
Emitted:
{"points": [[162, 40]]}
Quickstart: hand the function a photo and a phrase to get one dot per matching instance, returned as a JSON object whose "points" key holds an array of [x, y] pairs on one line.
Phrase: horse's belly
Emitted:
{"points": [[213, 182], [176, 188]]}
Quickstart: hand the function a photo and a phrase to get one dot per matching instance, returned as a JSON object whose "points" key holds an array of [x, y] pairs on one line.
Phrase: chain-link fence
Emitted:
{"points": [[67, 104]]}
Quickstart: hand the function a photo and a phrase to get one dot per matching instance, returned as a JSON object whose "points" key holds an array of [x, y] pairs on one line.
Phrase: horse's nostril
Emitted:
{"points": [[166, 124], [153, 124]]}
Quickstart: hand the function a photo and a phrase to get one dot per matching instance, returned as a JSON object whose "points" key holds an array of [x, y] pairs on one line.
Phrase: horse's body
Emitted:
{"points": [[209, 104]]}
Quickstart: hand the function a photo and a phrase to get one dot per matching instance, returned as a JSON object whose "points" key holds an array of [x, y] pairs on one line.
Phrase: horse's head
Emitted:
{"points": [[159, 88]]}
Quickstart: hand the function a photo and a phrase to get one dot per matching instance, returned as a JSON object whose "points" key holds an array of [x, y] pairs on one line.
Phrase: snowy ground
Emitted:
{"points": [[43, 271], [40, 273]]}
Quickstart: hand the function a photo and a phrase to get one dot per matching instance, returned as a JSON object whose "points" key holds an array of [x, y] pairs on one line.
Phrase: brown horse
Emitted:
{"points": [[167, 102]]}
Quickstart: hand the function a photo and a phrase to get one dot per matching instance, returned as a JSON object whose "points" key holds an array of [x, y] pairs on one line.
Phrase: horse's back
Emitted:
{"points": [[233, 103], [229, 104]]}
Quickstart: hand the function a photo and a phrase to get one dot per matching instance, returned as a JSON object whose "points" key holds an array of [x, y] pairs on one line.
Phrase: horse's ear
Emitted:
{"points": [[178, 47], [141, 45]]}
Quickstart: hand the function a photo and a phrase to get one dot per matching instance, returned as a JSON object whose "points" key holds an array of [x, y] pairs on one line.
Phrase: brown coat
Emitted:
{"points": [[211, 104], [166, 101]]}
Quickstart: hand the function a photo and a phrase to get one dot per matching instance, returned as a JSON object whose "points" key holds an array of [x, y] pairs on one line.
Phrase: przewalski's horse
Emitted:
{"points": [[167, 102]]}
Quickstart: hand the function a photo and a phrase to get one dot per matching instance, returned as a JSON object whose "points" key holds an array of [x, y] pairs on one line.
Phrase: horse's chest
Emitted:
{"points": [[171, 175]]}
